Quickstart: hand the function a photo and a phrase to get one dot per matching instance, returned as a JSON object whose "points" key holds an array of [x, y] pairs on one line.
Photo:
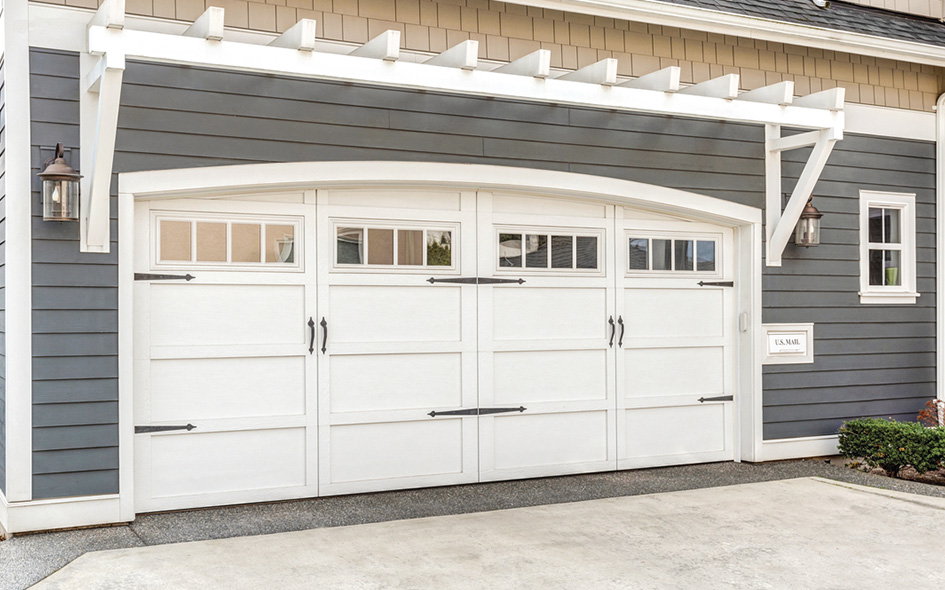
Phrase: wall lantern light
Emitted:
{"points": [[808, 227], [60, 189]]}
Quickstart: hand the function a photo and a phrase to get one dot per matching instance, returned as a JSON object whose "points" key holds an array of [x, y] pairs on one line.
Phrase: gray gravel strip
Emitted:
{"points": [[26, 559]]}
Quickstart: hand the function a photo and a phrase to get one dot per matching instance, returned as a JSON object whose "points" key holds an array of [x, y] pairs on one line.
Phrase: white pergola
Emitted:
{"points": [[455, 71]]}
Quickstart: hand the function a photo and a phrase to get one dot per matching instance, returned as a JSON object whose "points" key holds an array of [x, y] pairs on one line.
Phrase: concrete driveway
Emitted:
{"points": [[798, 533]]}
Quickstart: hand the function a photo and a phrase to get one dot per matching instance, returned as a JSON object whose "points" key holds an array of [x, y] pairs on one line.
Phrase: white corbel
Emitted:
{"points": [[299, 36], [208, 25], [665, 80], [536, 64], [98, 104], [464, 56], [111, 15], [781, 93], [603, 72], [385, 46], [779, 225], [722, 87]]}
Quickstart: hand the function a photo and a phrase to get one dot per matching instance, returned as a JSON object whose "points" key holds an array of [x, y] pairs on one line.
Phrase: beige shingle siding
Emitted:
{"points": [[932, 8], [509, 31]]}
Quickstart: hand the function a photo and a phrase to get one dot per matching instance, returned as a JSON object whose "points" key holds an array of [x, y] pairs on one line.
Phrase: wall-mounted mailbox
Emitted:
{"points": [[789, 344]]}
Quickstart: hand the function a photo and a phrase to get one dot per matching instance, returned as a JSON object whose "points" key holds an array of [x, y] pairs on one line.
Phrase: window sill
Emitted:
{"points": [[891, 298]]}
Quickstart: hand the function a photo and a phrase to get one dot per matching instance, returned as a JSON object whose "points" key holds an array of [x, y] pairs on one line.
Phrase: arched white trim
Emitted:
{"points": [[217, 179]]}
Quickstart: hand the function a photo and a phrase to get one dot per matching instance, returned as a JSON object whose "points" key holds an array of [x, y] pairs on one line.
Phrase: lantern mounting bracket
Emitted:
{"points": [[779, 225]]}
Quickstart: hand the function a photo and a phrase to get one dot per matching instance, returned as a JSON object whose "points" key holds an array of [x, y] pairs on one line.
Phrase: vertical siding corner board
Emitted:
{"points": [[3, 305]]}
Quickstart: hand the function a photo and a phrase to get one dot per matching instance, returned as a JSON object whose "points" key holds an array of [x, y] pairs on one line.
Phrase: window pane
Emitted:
{"points": [[876, 267], [683, 254], [876, 225], [350, 245], [705, 256], [662, 255], [639, 254], [175, 240], [380, 246], [280, 243], [891, 226], [562, 248], [410, 247], [536, 251], [892, 268], [211, 242], [245, 242], [510, 250], [439, 248], [586, 252]]}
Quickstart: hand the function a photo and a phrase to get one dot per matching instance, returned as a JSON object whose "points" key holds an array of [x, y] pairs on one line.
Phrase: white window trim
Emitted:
{"points": [[890, 295]]}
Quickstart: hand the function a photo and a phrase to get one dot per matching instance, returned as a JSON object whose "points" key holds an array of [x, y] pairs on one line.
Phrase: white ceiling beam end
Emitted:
{"points": [[665, 80], [208, 25], [300, 36], [781, 93], [464, 56], [603, 72], [385, 46], [111, 14], [722, 87], [536, 64], [831, 100]]}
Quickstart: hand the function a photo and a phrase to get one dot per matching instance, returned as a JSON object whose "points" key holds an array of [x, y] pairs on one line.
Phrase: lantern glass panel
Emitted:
{"points": [[61, 200], [808, 232]]}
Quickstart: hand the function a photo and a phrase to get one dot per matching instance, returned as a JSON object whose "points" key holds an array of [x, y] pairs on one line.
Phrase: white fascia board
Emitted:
{"points": [[277, 60], [217, 179], [889, 122], [18, 177], [713, 21]]}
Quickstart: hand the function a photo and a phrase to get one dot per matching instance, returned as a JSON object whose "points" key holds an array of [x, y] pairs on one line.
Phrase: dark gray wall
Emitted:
{"points": [[3, 281], [75, 342], [175, 117]]}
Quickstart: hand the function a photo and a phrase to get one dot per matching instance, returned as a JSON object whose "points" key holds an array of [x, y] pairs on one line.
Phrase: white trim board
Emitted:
{"points": [[939, 245], [889, 122], [59, 513], [797, 448], [48, 34]]}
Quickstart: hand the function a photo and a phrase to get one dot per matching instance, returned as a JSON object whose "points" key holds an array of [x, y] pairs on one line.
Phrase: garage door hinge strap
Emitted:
{"points": [[476, 411], [717, 284], [475, 281], [143, 276], [142, 429], [721, 398]]}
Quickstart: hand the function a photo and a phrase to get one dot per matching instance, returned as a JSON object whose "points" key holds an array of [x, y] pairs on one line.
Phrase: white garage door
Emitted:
{"points": [[224, 382], [459, 336]]}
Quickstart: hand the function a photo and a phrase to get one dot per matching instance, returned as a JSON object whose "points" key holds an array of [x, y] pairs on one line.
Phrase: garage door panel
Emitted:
{"points": [[679, 430], [549, 376], [522, 441], [395, 381], [192, 389], [216, 462], [674, 371], [395, 314], [674, 312], [364, 452], [548, 313], [183, 314]]}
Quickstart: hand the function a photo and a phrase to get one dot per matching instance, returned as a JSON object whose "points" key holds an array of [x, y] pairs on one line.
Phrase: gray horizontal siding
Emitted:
{"points": [[75, 342], [176, 117], [3, 292], [869, 360]]}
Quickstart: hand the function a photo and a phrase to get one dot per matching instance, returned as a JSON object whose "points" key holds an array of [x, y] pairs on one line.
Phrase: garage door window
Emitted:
{"points": [[676, 255], [393, 246], [551, 251], [228, 242]]}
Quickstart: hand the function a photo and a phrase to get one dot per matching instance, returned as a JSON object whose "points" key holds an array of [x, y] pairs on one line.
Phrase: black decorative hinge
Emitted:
{"points": [[143, 429], [475, 281], [720, 398], [717, 284], [476, 411], [143, 276]]}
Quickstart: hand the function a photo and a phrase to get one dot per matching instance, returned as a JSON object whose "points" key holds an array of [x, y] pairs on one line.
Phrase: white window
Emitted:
{"points": [[391, 245], [887, 248]]}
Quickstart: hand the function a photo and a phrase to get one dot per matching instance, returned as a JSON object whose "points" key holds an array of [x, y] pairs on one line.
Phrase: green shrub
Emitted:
{"points": [[893, 445]]}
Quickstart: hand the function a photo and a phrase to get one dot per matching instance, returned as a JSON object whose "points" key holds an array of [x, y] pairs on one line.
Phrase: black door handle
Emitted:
{"points": [[613, 330], [324, 325], [622, 328], [311, 341]]}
